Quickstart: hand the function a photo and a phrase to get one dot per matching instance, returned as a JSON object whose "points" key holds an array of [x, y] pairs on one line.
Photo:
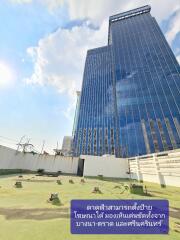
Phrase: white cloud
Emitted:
{"points": [[51, 4], [178, 58], [98, 10], [103, 8], [174, 27], [7, 76], [20, 1], [59, 58]]}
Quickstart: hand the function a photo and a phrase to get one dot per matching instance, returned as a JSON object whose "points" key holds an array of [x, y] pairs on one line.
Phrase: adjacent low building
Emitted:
{"points": [[67, 146]]}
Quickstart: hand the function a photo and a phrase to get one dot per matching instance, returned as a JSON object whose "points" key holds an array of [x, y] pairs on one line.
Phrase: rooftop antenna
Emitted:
{"points": [[25, 145], [19, 143], [42, 147]]}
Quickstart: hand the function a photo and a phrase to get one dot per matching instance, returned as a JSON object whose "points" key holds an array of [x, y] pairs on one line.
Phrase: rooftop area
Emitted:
{"points": [[26, 214], [131, 13]]}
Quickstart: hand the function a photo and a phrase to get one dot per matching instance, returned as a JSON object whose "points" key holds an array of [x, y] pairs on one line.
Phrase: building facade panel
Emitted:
{"points": [[131, 91], [96, 111]]}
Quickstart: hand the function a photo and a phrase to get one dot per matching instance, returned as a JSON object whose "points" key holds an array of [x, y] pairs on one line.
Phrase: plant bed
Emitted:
{"points": [[54, 199], [100, 177], [82, 180], [96, 190], [59, 182], [119, 187], [137, 189], [18, 185], [40, 172]]}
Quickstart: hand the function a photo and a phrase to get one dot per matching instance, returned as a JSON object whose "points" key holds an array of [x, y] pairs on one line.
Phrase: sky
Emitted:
{"points": [[43, 45]]}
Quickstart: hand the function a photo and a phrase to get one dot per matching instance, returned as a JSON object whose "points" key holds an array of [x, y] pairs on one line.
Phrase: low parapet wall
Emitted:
{"points": [[162, 168], [11, 159], [108, 166]]}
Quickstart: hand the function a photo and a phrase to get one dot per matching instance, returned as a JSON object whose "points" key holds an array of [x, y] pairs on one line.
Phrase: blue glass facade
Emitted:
{"points": [[130, 98]]}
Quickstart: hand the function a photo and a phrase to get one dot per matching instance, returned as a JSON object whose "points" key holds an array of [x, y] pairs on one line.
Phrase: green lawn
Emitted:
{"points": [[25, 213]]}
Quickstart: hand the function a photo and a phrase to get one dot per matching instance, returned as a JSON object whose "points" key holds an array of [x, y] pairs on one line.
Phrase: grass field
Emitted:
{"points": [[25, 213]]}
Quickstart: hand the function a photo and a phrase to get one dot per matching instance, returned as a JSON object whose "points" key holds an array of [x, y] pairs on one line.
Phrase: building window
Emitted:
{"points": [[106, 140], [95, 141], [112, 150], [162, 135], [79, 140], [84, 141], [112, 136], [154, 137], [173, 142], [177, 126], [89, 140], [106, 149], [95, 150], [89, 149], [145, 137], [100, 141], [100, 150]]}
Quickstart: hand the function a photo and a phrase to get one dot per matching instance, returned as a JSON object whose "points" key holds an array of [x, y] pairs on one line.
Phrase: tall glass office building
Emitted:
{"points": [[130, 98]]}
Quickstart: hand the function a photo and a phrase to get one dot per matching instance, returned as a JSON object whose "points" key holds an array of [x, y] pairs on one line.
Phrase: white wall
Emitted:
{"points": [[108, 166], [162, 168], [10, 159], [154, 168]]}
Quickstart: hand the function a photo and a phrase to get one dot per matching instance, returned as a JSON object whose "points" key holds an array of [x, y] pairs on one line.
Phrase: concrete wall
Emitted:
{"points": [[108, 166], [10, 159], [162, 168]]}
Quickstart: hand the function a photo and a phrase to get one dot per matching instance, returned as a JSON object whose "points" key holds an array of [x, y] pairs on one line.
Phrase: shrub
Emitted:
{"points": [[18, 184], [59, 182], [40, 171], [100, 177], [136, 189], [96, 190], [54, 199], [82, 180]]}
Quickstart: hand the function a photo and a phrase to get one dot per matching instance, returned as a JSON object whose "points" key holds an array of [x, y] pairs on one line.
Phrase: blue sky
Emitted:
{"points": [[43, 44]]}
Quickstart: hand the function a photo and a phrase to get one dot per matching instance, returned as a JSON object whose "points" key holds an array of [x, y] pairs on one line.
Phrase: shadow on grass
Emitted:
{"points": [[113, 180], [35, 213]]}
